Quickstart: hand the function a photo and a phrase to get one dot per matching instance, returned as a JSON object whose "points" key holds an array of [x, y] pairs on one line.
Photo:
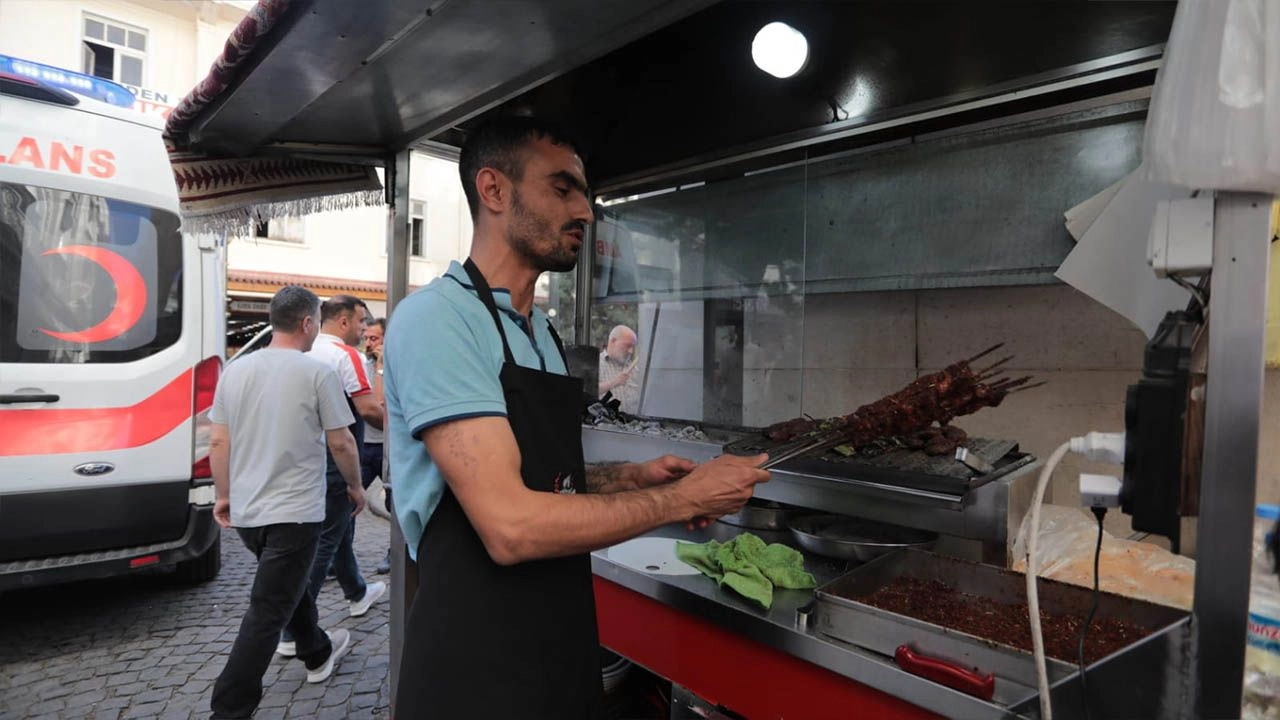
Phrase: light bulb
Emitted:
{"points": [[780, 50]]}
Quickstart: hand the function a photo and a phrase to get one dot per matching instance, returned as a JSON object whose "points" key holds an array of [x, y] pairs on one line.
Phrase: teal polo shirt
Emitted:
{"points": [[441, 363]]}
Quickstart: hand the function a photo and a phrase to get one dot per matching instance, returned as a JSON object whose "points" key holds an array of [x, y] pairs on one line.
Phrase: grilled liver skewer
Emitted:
{"points": [[938, 397]]}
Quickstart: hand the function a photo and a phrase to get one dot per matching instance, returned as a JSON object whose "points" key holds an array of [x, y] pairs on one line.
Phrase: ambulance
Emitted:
{"points": [[112, 334]]}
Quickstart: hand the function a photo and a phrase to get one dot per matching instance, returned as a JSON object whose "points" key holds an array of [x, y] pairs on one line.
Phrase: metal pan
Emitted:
{"points": [[846, 538], [761, 515]]}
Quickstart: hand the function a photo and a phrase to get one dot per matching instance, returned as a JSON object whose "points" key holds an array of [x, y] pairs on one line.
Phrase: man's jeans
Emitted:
{"points": [[286, 553], [337, 542], [371, 464], [336, 550]]}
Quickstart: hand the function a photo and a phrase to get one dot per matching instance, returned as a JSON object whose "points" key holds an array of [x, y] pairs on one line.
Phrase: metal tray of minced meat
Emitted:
{"points": [[842, 611], [891, 464]]}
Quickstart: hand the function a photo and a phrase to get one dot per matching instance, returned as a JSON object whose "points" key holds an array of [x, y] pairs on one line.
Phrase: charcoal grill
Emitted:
{"points": [[897, 466]]}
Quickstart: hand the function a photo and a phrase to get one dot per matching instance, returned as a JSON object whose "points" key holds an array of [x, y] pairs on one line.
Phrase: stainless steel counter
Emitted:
{"points": [[778, 627], [1147, 680]]}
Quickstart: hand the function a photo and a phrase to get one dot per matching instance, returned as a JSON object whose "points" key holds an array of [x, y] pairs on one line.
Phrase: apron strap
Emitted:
{"points": [[559, 345], [486, 297]]}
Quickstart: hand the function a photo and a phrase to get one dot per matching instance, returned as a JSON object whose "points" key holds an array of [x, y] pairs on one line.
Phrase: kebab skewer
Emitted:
{"points": [[920, 413]]}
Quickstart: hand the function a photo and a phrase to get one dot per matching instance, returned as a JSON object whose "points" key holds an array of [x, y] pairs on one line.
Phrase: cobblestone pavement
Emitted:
{"points": [[148, 646]]}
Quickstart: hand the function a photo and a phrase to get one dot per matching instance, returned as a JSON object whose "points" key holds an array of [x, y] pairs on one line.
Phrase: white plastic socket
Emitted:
{"points": [[1180, 242], [1100, 447], [1099, 490]]}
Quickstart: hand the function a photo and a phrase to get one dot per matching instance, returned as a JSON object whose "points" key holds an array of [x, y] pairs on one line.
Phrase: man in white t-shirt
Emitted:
{"points": [[274, 414], [342, 324]]}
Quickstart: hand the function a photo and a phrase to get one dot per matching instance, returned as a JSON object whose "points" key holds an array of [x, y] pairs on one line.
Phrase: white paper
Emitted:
{"points": [[1081, 217], [1109, 264]]}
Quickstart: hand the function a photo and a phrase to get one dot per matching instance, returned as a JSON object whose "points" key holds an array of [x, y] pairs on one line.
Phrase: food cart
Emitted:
{"points": [[749, 226]]}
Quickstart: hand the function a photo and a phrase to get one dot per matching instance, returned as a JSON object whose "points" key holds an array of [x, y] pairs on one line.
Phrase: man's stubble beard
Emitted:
{"points": [[526, 227]]}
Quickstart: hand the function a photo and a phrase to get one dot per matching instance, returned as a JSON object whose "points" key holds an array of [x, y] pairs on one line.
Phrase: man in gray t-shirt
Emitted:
{"points": [[274, 413]]}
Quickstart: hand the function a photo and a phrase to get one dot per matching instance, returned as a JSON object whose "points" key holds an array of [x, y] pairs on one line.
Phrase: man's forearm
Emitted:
{"points": [[348, 464], [561, 525], [611, 477], [219, 467]]}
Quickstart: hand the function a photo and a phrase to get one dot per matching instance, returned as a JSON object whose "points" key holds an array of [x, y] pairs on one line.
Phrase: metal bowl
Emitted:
{"points": [[760, 515], [847, 538]]}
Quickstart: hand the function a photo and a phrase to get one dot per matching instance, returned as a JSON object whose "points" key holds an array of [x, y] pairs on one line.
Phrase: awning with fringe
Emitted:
{"points": [[228, 195]]}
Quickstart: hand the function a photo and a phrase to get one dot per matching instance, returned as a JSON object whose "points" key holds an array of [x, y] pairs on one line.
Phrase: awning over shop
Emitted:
{"points": [[228, 194], [650, 84], [318, 77], [268, 283]]}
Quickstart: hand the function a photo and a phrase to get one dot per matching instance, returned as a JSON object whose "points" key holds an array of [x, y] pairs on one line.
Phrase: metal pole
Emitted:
{"points": [[404, 575], [582, 293], [1237, 321]]}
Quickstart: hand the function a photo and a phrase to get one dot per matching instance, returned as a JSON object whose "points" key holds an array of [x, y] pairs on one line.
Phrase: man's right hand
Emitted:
{"points": [[222, 512], [357, 498], [721, 486]]}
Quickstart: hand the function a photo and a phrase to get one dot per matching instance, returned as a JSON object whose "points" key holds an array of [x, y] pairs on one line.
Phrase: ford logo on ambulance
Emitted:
{"points": [[93, 469]]}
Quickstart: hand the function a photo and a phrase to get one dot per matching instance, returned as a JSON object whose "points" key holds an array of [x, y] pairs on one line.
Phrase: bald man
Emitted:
{"points": [[617, 369]]}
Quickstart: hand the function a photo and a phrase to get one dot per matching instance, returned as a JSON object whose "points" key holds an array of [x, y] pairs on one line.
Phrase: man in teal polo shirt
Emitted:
{"points": [[485, 441]]}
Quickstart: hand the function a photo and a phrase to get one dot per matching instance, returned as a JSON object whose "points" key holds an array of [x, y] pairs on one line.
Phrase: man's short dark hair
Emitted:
{"points": [[499, 144], [335, 306], [290, 306], [380, 322]]}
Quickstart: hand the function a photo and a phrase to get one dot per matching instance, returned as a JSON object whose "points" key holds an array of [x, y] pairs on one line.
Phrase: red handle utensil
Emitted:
{"points": [[946, 673]]}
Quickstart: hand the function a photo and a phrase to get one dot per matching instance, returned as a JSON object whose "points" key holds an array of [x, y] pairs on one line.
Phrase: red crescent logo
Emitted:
{"points": [[131, 295]]}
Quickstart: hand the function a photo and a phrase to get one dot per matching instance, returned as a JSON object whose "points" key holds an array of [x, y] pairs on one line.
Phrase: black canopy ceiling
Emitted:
{"points": [[646, 83]]}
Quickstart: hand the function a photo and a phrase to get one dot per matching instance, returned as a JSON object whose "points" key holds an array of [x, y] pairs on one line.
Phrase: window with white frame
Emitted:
{"points": [[417, 228], [285, 229], [114, 50]]}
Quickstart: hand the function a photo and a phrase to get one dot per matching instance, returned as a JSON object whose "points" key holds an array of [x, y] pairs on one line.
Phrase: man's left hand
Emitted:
{"points": [[662, 470]]}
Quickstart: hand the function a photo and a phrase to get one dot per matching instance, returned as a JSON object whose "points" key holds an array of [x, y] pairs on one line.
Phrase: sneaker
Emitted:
{"points": [[287, 648], [341, 641], [384, 567], [372, 592]]}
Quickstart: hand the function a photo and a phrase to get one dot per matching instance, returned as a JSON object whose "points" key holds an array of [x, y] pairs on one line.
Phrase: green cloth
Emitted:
{"points": [[748, 566]]}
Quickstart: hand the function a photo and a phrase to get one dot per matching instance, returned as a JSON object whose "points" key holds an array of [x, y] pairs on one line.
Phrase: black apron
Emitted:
{"points": [[486, 641]]}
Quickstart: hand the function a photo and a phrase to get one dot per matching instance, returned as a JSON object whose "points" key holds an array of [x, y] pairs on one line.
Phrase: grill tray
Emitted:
{"points": [[898, 465], [839, 614]]}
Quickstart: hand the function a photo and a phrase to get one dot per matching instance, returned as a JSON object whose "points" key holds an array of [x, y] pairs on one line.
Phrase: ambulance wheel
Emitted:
{"points": [[205, 567]]}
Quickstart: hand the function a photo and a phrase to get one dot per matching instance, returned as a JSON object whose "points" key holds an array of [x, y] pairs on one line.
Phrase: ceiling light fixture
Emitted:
{"points": [[780, 50]]}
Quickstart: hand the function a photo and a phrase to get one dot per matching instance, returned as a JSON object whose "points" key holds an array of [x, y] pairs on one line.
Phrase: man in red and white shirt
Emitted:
{"points": [[342, 322]]}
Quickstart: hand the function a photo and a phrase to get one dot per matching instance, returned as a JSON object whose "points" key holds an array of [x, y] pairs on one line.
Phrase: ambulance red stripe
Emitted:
{"points": [[55, 431]]}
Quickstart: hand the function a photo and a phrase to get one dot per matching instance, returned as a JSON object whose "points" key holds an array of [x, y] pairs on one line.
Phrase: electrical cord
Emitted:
{"points": [[1099, 447], [1100, 513], [1195, 291], [1033, 595]]}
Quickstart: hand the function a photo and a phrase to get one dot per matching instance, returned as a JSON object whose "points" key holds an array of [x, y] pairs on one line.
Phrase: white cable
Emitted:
{"points": [[1033, 597]]}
